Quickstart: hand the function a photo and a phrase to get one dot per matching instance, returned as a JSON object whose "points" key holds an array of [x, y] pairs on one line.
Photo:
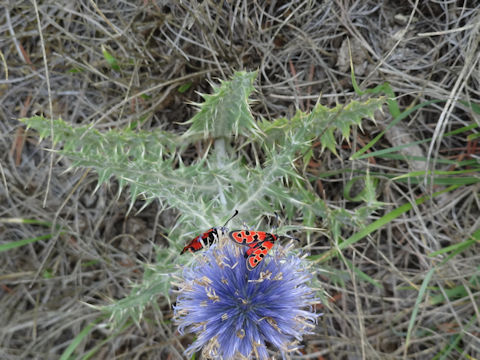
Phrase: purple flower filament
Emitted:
{"points": [[235, 312]]}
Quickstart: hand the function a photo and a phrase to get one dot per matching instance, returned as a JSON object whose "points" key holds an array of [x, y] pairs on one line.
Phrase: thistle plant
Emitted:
{"points": [[235, 312], [150, 164]]}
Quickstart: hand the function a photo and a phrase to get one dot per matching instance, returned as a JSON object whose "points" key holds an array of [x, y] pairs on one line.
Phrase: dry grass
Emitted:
{"points": [[424, 49]]}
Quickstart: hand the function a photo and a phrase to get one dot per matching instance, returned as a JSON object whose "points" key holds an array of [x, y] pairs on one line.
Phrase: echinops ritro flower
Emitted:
{"points": [[235, 313]]}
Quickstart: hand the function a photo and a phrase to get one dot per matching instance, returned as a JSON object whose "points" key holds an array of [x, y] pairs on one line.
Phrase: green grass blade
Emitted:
{"points": [[362, 275], [457, 292], [442, 355], [475, 107], [25, 221], [465, 180], [473, 136], [396, 119], [378, 153], [376, 225], [416, 307], [461, 130], [383, 152], [99, 345], [436, 172], [15, 244], [424, 159], [456, 248], [78, 339]]}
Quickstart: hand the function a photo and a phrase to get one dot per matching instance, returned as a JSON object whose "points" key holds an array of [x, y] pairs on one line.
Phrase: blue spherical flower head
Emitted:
{"points": [[235, 312]]}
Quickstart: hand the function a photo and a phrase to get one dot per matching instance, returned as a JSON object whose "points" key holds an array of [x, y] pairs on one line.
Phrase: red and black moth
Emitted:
{"points": [[207, 238], [259, 243]]}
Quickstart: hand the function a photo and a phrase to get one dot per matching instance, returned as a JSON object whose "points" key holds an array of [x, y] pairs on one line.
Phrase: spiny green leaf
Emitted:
{"points": [[226, 112], [321, 122]]}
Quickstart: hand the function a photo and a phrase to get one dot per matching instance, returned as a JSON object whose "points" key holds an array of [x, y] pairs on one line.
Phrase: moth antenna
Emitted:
{"points": [[231, 217]]}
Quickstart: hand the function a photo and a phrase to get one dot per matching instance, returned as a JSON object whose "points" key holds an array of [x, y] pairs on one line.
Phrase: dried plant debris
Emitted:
{"points": [[140, 65]]}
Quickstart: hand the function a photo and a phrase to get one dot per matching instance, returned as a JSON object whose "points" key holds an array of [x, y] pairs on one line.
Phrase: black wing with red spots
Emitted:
{"points": [[248, 237], [207, 238], [198, 243], [259, 244], [257, 254]]}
